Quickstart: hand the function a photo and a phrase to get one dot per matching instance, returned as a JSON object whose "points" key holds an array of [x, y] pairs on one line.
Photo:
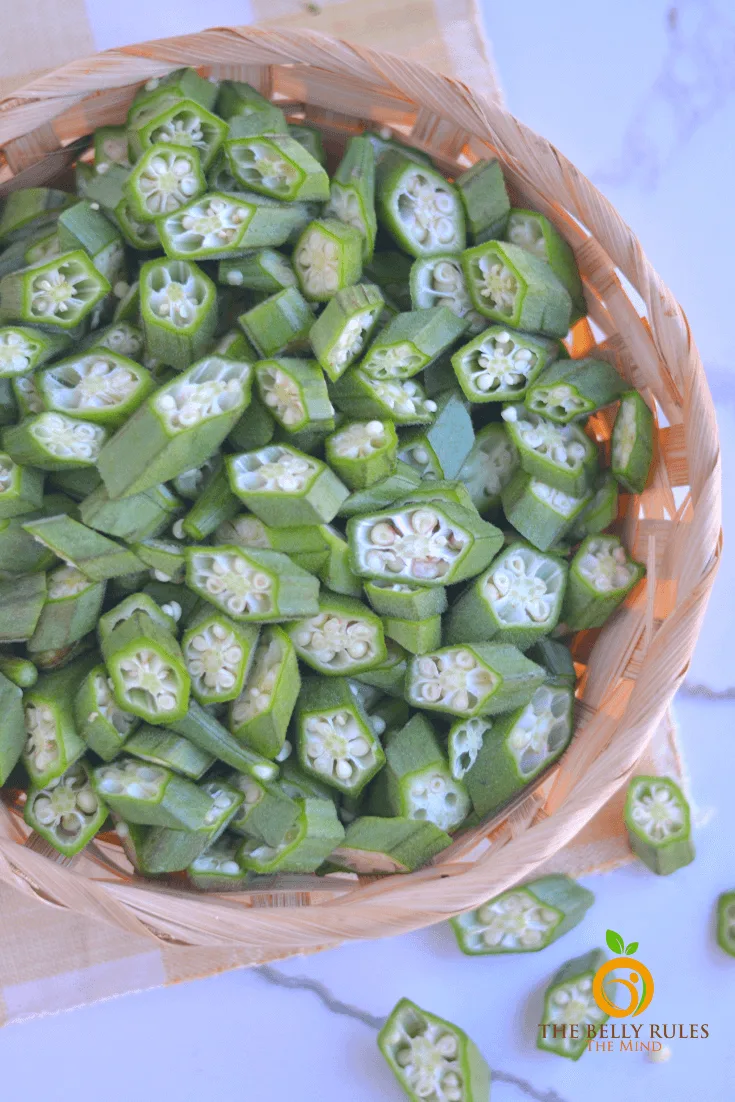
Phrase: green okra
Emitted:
{"points": [[334, 739], [327, 258], [485, 200], [384, 141], [218, 653], [91, 553], [83, 226], [110, 147], [60, 293], [402, 601], [40, 248], [12, 728], [600, 511], [471, 680], [206, 732], [13, 258], [489, 466], [151, 795], [143, 236], [147, 669], [102, 387], [500, 364], [344, 638], [335, 572], [127, 310], [363, 452], [305, 845], [464, 742], [439, 450], [172, 850], [174, 599], [570, 389], [19, 552], [77, 482], [284, 487], [178, 84], [135, 602], [23, 349], [299, 785], [235, 97], [178, 305], [411, 341], [279, 323], [416, 782], [122, 337], [389, 675], [307, 545], [415, 636], [184, 123], [215, 505], [21, 488], [394, 487], [541, 513], [100, 722], [562, 456], [534, 232], [189, 484], [343, 330], [726, 922], [217, 869], [139, 517], [66, 811], [166, 748], [658, 823], [52, 740], [28, 209], [521, 745], [262, 711], [631, 451], [601, 574], [217, 225], [510, 285], [402, 401], [571, 1016], [439, 280], [20, 671], [311, 139], [391, 271], [22, 599], [420, 208], [266, 813], [556, 658], [165, 178], [19, 398], [261, 270], [254, 585], [378, 845], [352, 191], [72, 608], [295, 392], [525, 919], [277, 166], [431, 1056], [180, 426]]}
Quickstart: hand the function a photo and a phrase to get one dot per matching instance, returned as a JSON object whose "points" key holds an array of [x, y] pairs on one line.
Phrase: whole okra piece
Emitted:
{"points": [[52, 740], [218, 653], [217, 869], [658, 823], [352, 191], [485, 200], [543, 514], [178, 305], [439, 450], [54, 442], [343, 330], [60, 293], [66, 810], [403, 401], [95, 556], [84, 226], [147, 669], [22, 600], [533, 232], [419, 207], [568, 1002], [411, 341], [101, 386], [23, 349], [472, 679], [266, 812], [344, 638], [21, 488], [253, 585], [206, 732], [215, 505], [327, 258], [285, 487], [280, 323], [439, 281], [510, 285], [219, 225], [295, 392], [500, 364], [12, 729], [562, 456]]}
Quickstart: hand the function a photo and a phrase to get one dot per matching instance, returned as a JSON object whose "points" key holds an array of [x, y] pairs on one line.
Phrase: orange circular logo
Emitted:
{"points": [[639, 998]]}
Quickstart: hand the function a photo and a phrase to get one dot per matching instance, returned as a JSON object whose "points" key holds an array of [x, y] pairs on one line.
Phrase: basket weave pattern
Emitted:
{"points": [[631, 669]]}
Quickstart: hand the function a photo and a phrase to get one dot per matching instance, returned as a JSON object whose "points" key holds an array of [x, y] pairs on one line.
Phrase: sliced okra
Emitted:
{"points": [[305, 544], [299, 785], [52, 741], [178, 304], [96, 556], [166, 748], [60, 293], [500, 364], [343, 638], [100, 722], [378, 845], [335, 572], [439, 280], [464, 743], [489, 467], [12, 730], [431, 543], [541, 513], [127, 311], [534, 232], [327, 258], [217, 869], [516, 600], [42, 248], [344, 328], [151, 795], [419, 208], [601, 574], [415, 636], [215, 505], [311, 139], [562, 456], [143, 236], [206, 732], [84, 227], [485, 200], [189, 484], [22, 599], [122, 337], [23, 349], [178, 84], [218, 653], [658, 823], [180, 426], [185, 123], [571, 1014], [389, 675], [411, 341], [19, 552], [510, 285], [439, 450], [19, 398], [218, 225], [20, 671], [277, 166], [556, 658], [726, 922], [147, 669], [110, 147], [394, 487], [66, 810], [602, 509], [77, 483], [352, 191], [21, 488], [266, 813], [392, 273], [172, 850], [363, 452], [30, 208], [402, 401], [133, 519], [235, 97], [335, 741], [102, 387], [522, 744], [71, 611], [279, 323], [135, 602], [262, 270], [570, 389], [252, 585], [631, 452], [524, 919], [164, 179], [405, 602], [304, 846], [284, 487], [481, 679], [295, 392]]}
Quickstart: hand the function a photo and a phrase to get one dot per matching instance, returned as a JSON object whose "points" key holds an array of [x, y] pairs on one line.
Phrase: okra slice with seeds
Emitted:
{"points": [[522, 744], [439, 281], [52, 741], [19, 552], [101, 723], [464, 743], [178, 304], [151, 795], [235, 97], [19, 398], [534, 232], [402, 401], [178, 84], [185, 123], [110, 147], [500, 364], [28, 209], [541, 513], [419, 208], [409, 342], [173, 751], [279, 323], [394, 487], [481, 679], [335, 572], [60, 293], [43, 248], [172, 850], [21, 488], [72, 608], [262, 712], [389, 676], [335, 741], [306, 545], [485, 200], [439, 450], [363, 452], [352, 191], [261, 270], [556, 658], [133, 519], [135, 602], [66, 811], [524, 919], [84, 226], [601, 574], [403, 601], [217, 869], [252, 585], [23, 349], [147, 669], [102, 387], [631, 452], [378, 845], [726, 922], [13, 729], [215, 505], [122, 337], [277, 166], [489, 467], [165, 178], [570, 389], [568, 1003], [218, 653], [266, 812], [218, 225], [344, 328], [327, 258], [143, 236], [559, 455], [343, 638], [510, 285], [311, 139], [22, 599], [602, 509], [658, 822], [284, 487], [206, 732], [96, 556], [304, 846], [415, 636], [295, 392]]}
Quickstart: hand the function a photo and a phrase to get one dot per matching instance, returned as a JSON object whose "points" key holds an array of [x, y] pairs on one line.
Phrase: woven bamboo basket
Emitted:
{"points": [[629, 671]]}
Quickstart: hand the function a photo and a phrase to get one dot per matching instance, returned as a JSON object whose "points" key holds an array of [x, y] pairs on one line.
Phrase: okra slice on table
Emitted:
{"points": [[570, 389], [279, 323], [471, 680], [185, 123], [378, 845], [432, 1058], [66, 810], [726, 922], [438, 450], [363, 452], [439, 281], [524, 919], [13, 728], [569, 1002], [147, 669], [29, 209], [218, 653], [601, 574], [60, 293], [261, 270], [95, 555], [327, 258], [161, 747], [485, 200], [22, 600], [436, 543], [180, 426], [419, 207], [165, 178], [516, 600], [23, 349], [394, 487], [522, 744], [82, 226], [218, 225], [510, 285], [343, 330], [167, 849], [100, 721], [335, 741], [52, 740], [534, 232], [500, 364], [295, 392], [278, 166], [21, 488], [284, 487], [541, 513], [402, 401], [562, 456], [304, 846], [411, 341], [352, 191], [178, 305], [101, 386], [266, 812], [133, 519], [491, 463], [343, 638], [253, 585], [205, 731], [151, 795], [464, 743], [261, 713], [71, 611], [403, 601], [217, 869], [631, 452], [658, 822]]}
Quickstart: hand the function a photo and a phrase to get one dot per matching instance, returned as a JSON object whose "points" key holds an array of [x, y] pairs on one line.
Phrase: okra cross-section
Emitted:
{"points": [[151, 795], [295, 392], [571, 1014], [489, 467], [60, 293], [52, 741], [524, 919], [102, 387], [71, 611], [403, 401], [335, 741], [482, 679], [343, 329], [631, 453], [562, 456], [522, 744], [373, 844], [533, 232], [404, 601], [510, 285], [304, 846], [184, 123], [570, 389], [147, 669], [500, 364], [262, 712], [171, 850], [485, 200], [164, 179], [23, 349], [178, 304], [100, 721], [21, 488], [515, 601], [352, 191], [658, 823], [600, 576], [363, 452], [276, 165], [541, 513], [54, 442], [218, 653], [421, 209], [411, 341], [464, 743], [439, 281], [251, 585], [343, 638], [220, 225], [285, 487], [217, 869], [432, 544], [432, 1058], [66, 811], [327, 258]]}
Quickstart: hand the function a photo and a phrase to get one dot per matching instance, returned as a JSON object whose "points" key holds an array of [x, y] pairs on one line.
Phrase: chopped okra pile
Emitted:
{"points": [[298, 509]]}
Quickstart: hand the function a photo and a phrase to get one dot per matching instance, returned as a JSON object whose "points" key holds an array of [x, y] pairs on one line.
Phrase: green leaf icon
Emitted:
{"points": [[615, 942], [631, 948]]}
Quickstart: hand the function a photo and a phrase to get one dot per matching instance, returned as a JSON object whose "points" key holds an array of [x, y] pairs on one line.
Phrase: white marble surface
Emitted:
{"points": [[640, 96]]}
